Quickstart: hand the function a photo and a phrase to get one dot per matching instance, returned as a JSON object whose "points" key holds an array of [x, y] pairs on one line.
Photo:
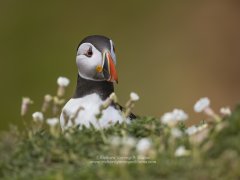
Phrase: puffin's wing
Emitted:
{"points": [[131, 115]]}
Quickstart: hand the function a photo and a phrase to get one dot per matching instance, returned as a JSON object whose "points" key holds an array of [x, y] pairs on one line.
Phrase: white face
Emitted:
{"points": [[89, 58]]}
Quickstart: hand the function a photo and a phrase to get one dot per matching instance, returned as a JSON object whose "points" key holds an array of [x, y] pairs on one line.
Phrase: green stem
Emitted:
{"points": [[104, 138]]}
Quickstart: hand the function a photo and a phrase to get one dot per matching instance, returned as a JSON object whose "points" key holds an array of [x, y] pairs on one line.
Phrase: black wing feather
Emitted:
{"points": [[118, 106]]}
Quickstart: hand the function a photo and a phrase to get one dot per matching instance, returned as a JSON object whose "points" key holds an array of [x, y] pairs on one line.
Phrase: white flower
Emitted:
{"points": [[171, 118], [143, 145], [52, 121], [63, 81], [181, 151], [38, 116], [26, 101], [134, 96], [180, 115], [225, 111], [202, 127], [167, 117], [129, 141], [201, 104], [115, 141], [175, 132], [48, 98], [191, 130]]}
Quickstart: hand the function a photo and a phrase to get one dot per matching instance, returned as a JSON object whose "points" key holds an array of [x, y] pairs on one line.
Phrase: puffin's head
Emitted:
{"points": [[96, 59]]}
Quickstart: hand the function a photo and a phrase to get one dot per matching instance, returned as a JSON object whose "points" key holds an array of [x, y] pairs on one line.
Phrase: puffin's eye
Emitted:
{"points": [[89, 52]]}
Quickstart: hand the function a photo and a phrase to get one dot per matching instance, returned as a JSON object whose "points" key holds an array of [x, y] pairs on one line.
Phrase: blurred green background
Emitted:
{"points": [[170, 52]]}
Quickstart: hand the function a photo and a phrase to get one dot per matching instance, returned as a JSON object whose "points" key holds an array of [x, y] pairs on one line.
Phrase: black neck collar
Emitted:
{"points": [[86, 87]]}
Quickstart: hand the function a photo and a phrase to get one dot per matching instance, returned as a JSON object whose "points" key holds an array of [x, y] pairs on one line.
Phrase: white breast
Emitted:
{"points": [[87, 116]]}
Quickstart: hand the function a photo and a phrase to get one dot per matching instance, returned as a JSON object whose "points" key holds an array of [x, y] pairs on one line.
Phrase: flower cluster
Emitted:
{"points": [[195, 133], [143, 146], [125, 144], [62, 82], [40, 118], [181, 151], [172, 118], [130, 103], [174, 136], [52, 106]]}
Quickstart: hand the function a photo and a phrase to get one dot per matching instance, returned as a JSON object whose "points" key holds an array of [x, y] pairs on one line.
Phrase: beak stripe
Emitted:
{"points": [[112, 69]]}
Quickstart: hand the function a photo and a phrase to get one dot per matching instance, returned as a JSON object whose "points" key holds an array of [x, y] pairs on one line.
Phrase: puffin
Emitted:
{"points": [[96, 63]]}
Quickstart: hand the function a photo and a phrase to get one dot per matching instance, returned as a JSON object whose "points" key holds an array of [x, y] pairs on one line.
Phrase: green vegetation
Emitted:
{"points": [[147, 148], [213, 154]]}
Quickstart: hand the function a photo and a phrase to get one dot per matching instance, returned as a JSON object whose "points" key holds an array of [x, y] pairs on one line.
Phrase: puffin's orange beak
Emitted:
{"points": [[109, 69]]}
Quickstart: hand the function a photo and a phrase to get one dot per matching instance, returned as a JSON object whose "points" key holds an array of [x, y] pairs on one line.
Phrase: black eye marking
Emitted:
{"points": [[89, 53]]}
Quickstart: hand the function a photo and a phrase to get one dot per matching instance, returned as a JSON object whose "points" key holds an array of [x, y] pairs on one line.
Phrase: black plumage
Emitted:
{"points": [[100, 42], [102, 88], [86, 87]]}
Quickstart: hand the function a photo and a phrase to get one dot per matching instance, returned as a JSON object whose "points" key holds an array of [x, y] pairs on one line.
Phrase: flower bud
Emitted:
{"points": [[26, 101]]}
